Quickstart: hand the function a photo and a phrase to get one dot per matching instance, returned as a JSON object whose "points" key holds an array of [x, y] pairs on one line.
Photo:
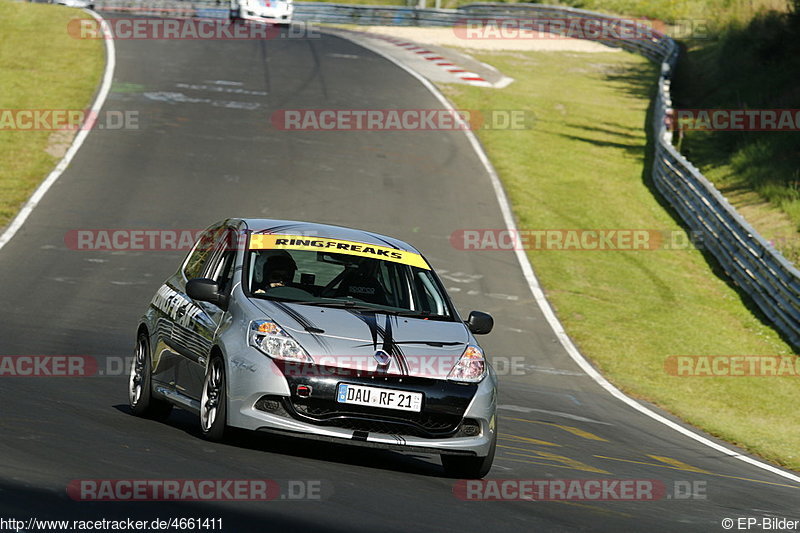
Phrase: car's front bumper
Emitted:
{"points": [[455, 419], [468, 446], [270, 14]]}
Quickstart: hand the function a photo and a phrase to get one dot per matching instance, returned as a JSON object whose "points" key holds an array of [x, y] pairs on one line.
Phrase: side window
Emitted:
{"points": [[389, 276], [223, 272], [204, 251], [430, 299], [219, 266]]}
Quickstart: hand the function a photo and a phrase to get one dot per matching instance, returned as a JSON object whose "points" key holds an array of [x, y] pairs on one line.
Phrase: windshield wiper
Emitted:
{"points": [[351, 304], [438, 344], [418, 314], [411, 313], [341, 304], [276, 298]]}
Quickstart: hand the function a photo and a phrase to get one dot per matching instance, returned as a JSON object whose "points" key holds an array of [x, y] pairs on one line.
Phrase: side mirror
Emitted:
{"points": [[480, 323], [205, 290]]}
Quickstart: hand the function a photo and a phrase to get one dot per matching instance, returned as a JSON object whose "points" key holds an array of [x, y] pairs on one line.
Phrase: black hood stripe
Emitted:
{"points": [[297, 317], [304, 323], [385, 333], [391, 348]]}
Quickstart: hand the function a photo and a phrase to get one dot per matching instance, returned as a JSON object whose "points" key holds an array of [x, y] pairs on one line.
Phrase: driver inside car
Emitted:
{"points": [[278, 271]]}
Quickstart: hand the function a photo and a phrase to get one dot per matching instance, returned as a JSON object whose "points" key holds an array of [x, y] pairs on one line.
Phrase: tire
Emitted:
{"points": [[214, 401], [469, 467], [140, 393]]}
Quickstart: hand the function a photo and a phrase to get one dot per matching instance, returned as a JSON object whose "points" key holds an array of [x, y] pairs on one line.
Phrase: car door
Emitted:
{"points": [[196, 327], [164, 354], [170, 306]]}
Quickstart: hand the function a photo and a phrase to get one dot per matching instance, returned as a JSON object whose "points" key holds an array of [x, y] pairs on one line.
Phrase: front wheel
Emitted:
{"points": [[140, 396], [469, 467], [214, 402]]}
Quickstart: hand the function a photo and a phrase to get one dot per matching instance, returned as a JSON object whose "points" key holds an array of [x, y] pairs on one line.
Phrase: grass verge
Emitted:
{"points": [[41, 67], [753, 65], [714, 13], [584, 166]]}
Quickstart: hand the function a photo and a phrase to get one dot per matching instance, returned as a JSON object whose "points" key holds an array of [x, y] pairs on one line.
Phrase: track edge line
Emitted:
{"points": [[105, 87]]}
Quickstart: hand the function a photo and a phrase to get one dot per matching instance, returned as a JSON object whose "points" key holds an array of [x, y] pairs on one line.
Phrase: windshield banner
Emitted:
{"points": [[319, 244]]}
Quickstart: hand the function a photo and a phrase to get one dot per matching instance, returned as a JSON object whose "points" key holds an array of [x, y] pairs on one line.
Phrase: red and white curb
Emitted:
{"points": [[464, 75]]}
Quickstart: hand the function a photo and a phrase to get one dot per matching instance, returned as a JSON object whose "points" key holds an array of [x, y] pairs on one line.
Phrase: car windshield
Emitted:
{"points": [[357, 276]]}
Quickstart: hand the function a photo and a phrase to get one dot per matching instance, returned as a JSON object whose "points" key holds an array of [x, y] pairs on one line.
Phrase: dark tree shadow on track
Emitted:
{"points": [[22, 503], [408, 463]]}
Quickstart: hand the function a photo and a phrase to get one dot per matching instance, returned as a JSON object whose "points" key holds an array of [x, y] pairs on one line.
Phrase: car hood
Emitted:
{"points": [[344, 338]]}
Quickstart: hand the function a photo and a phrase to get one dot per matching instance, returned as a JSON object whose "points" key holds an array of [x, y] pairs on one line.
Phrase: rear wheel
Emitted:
{"points": [[140, 395], [214, 401], [469, 467]]}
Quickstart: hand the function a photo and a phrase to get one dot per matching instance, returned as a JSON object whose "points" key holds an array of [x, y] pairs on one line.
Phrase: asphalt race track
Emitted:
{"points": [[205, 150]]}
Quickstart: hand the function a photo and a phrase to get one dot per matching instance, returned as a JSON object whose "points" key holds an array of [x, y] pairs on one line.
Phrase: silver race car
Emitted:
{"points": [[320, 332]]}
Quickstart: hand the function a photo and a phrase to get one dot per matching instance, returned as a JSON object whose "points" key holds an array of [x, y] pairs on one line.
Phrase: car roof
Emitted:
{"points": [[311, 229]]}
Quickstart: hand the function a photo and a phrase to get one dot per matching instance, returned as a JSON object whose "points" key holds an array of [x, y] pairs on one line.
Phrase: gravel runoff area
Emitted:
{"points": [[456, 38]]}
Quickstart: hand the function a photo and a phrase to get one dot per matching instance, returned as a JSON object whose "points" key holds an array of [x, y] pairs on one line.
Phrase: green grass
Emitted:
{"points": [[714, 12], [584, 165], [753, 65], [41, 67]]}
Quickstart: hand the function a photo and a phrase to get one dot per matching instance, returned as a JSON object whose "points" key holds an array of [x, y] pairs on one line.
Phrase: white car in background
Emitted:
{"points": [[84, 4], [275, 11]]}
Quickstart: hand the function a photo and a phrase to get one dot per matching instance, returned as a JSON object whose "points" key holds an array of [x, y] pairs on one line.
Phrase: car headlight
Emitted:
{"points": [[270, 338], [471, 367]]}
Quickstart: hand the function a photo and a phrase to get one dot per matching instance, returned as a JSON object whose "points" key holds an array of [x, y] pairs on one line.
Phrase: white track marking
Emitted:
{"points": [[39, 193], [544, 305]]}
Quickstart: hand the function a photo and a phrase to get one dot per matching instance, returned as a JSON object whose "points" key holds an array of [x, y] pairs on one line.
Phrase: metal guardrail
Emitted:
{"points": [[753, 264], [166, 8]]}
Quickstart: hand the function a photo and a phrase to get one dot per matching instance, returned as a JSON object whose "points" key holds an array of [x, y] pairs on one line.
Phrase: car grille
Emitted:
{"points": [[377, 426], [362, 418]]}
